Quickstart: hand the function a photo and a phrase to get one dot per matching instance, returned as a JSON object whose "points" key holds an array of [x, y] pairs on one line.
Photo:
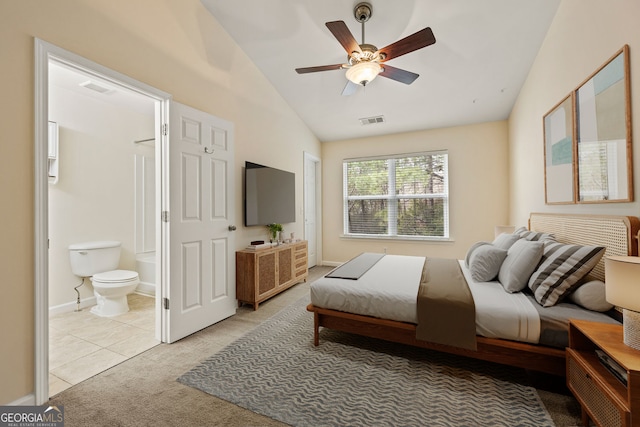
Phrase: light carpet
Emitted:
{"points": [[276, 371]]}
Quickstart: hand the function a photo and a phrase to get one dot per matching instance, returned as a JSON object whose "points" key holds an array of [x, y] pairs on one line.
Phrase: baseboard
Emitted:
{"points": [[28, 400], [72, 306], [148, 289], [332, 263]]}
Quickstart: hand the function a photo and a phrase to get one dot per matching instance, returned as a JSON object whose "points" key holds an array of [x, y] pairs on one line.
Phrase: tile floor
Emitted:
{"points": [[82, 344]]}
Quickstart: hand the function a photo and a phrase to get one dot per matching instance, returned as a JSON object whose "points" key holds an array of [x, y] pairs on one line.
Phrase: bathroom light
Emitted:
{"points": [[363, 72], [622, 289]]}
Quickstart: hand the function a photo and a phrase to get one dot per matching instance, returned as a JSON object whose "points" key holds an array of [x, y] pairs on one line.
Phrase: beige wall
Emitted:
{"points": [[173, 45], [583, 35], [478, 187]]}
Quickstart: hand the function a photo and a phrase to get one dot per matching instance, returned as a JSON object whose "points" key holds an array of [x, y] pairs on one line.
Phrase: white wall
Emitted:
{"points": [[583, 35], [478, 187], [94, 198]]}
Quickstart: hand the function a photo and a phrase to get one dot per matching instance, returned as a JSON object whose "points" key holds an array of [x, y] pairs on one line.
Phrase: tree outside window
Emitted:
{"points": [[398, 196]]}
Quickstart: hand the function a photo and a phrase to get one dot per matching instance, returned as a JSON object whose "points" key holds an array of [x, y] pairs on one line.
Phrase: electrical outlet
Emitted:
{"points": [[384, 250]]}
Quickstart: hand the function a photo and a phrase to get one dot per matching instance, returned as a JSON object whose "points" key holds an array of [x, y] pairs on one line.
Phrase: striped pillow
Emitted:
{"points": [[561, 269], [537, 236]]}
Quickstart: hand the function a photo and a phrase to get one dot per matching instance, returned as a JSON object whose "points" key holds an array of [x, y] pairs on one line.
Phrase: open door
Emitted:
{"points": [[198, 242]]}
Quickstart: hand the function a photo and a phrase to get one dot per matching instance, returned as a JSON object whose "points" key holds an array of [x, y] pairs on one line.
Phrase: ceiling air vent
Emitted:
{"points": [[372, 120]]}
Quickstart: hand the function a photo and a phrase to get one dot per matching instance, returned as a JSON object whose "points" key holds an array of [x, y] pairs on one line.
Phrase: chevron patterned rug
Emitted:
{"points": [[276, 371]]}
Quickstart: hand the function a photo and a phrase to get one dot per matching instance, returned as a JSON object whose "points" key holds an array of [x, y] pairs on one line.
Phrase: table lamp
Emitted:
{"points": [[622, 289]]}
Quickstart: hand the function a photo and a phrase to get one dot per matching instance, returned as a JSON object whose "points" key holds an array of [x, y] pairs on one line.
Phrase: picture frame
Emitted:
{"points": [[604, 166], [559, 153]]}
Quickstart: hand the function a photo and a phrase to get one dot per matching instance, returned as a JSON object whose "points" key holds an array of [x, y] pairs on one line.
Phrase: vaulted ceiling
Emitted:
{"points": [[472, 74]]}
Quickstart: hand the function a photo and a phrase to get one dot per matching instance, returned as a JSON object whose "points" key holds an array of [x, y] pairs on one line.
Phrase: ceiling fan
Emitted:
{"points": [[365, 61]]}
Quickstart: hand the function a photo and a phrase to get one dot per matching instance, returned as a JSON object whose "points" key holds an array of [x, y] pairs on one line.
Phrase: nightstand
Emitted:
{"points": [[604, 398]]}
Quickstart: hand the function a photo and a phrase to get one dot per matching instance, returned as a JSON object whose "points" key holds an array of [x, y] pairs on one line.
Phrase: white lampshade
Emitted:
{"points": [[622, 281], [622, 289], [363, 72]]}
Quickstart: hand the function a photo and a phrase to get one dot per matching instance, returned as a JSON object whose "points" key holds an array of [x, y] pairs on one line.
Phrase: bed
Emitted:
{"points": [[528, 342]]}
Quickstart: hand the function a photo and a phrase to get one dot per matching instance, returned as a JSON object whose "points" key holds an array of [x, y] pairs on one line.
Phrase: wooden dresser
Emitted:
{"points": [[261, 274]]}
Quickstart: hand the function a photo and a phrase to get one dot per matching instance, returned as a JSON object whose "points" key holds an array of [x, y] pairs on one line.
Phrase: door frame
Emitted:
{"points": [[45, 52]]}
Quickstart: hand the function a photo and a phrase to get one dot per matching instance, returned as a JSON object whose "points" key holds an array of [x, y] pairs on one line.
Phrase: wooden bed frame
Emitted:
{"points": [[618, 233]]}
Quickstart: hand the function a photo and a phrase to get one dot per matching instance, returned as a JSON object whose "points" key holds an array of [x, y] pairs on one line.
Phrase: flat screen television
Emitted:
{"points": [[269, 195]]}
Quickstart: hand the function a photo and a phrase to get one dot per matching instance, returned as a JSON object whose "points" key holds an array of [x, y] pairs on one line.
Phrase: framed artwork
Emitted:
{"points": [[603, 134], [559, 148]]}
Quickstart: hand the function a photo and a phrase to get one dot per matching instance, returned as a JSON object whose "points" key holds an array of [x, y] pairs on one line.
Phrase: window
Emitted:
{"points": [[403, 196]]}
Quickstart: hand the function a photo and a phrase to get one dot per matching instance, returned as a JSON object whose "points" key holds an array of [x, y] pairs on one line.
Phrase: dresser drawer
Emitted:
{"points": [[601, 408]]}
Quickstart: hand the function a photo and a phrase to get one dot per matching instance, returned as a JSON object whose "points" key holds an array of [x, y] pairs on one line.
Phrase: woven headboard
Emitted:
{"points": [[619, 234]]}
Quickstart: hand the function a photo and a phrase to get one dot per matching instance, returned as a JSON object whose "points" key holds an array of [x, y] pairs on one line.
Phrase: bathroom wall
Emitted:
{"points": [[94, 198]]}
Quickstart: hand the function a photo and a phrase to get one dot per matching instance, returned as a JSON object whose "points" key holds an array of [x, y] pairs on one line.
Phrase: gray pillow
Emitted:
{"points": [[591, 295], [485, 262], [471, 250], [561, 269], [521, 261], [505, 240]]}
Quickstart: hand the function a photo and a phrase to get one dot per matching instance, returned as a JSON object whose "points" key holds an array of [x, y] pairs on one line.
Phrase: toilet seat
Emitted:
{"points": [[115, 277]]}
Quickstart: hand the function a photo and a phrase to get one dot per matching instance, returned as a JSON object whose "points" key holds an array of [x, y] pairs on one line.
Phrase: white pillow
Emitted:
{"points": [[522, 259], [485, 262], [591, 296]]}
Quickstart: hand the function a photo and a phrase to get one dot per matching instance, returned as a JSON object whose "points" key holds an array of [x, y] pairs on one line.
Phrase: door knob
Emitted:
{"points": [[232, 228]]}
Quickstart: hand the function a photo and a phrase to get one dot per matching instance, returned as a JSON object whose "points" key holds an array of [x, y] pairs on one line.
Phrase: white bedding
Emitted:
{"points": [[389, 291], [500, 314]]}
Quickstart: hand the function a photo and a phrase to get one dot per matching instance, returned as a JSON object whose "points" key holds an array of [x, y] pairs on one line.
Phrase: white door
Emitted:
{"points": [[199, 251], [310, 207]]}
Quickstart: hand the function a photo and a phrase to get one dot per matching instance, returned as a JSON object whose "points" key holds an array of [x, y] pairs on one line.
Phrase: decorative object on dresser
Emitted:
{"points": [[595, 352], [274, 230], [263, 273], [623, 290]]}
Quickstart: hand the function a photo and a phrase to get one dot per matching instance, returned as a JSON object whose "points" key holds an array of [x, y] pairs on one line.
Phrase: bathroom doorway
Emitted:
{"points": [[180, 132], [101, 187], [87, 189]]}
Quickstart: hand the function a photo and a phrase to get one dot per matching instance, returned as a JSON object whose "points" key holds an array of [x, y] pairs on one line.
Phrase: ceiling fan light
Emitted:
{"points": [[363, 72]]}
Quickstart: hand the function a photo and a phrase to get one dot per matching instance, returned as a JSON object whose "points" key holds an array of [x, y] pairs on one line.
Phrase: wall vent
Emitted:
{"points": [[96, 87], [372, 120]]}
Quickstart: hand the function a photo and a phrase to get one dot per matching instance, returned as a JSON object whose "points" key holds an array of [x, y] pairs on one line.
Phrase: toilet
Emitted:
{"points": [[99, 260]]}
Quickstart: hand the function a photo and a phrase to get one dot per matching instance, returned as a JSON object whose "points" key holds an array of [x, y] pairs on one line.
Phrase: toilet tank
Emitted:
{"points": [[91, 258]]}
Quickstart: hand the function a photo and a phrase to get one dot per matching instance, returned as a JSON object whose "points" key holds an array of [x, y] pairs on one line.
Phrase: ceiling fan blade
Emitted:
{"points": [[341, 32], [350, 88], [320, 68], [397, 74], [415, 41]]}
